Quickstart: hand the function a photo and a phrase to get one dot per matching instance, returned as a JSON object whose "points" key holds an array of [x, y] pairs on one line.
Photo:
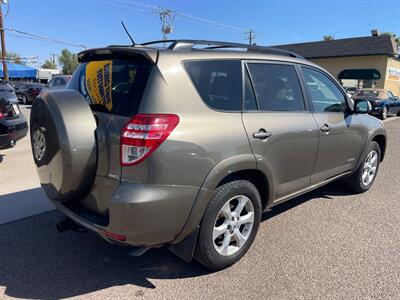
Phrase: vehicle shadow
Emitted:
{"points": [[37, 262], [329, 191], [1, 157]]}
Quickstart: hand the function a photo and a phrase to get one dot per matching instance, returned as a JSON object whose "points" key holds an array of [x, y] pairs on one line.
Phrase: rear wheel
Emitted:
{"points": [[229, 225], [364, 177]]}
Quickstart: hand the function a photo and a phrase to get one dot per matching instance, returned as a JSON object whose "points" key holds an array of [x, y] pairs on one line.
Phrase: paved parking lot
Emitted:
{"points": [[325, 245]]}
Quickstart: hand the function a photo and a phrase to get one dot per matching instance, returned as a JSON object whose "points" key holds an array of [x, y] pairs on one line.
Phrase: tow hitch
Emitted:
{"points": [[67, 224]]}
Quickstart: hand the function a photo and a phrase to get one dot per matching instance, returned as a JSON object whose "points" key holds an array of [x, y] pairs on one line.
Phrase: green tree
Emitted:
{"points": [[396, 38], [328, 37], [48, 64], [68, 61]]}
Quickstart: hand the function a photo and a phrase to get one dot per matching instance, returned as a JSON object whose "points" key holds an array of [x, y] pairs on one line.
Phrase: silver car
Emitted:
{"points": [[187, 145]]}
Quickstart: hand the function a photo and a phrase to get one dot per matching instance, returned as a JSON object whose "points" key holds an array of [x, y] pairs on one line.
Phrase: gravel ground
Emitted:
{"points": [[327, 244]]}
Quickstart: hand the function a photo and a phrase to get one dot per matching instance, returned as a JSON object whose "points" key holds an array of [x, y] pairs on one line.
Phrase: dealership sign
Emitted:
{"points": [[393, 73]]}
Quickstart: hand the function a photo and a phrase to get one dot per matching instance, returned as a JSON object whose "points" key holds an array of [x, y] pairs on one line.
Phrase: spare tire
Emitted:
{"points": [[64, 147]]}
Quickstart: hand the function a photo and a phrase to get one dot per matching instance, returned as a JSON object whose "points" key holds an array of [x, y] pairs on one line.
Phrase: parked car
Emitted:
{"points": [[383, 102], [187, 146], [28, 92], [351, 90], [13, 125], [58, 82]]}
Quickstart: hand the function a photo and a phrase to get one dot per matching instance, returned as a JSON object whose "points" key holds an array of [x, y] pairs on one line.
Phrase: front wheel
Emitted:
{"points": [[229, 225], [24, 100], [384, 113], [364, 177]]}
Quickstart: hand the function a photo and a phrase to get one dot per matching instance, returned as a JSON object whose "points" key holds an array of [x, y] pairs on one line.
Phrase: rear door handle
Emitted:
{"points": [[326, 128], [262, 134]]}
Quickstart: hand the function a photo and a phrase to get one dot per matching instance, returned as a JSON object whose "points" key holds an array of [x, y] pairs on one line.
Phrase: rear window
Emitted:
{"points": [[111, 86], [219, 82]]}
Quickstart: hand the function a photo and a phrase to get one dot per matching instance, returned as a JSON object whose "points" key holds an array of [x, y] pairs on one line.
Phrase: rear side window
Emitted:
{"points": [[219, 82], [277, 87], [112, 86]]}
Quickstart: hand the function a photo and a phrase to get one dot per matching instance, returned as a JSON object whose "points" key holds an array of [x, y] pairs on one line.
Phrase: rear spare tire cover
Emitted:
{"points": [[63, 141]]}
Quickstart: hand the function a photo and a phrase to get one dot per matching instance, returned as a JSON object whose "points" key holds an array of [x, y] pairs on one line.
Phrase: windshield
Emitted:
{"points": [[368, 94]]}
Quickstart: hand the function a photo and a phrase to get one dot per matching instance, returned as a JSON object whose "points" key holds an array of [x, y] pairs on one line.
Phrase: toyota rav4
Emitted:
{"points": [[188, 145]]}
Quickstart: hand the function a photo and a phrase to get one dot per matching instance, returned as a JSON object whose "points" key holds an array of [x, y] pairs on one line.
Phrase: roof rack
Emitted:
{"points": [[190, 45]]}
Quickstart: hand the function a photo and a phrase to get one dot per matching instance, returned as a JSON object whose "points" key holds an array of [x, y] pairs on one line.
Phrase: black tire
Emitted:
{"points": [[384, 113], [205, 252], [355, 181], [24, 99]]}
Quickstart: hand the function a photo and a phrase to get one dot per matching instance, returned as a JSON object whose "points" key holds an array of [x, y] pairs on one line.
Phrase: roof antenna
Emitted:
{"points": [[126, 30]]}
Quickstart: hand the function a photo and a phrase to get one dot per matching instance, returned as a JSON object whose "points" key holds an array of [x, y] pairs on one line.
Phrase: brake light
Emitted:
{"points": [[143, 134], [115, 236], [1, 115]]}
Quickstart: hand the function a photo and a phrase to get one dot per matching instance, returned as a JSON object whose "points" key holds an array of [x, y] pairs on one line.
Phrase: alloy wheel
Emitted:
{"points": [[39, 144], [233, 225], [370, 167]]}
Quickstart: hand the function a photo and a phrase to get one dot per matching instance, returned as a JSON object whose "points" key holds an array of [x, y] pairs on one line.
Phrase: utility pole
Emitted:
{"points": [[53, 57], [250, 36], [167, 17], [3, 44]]}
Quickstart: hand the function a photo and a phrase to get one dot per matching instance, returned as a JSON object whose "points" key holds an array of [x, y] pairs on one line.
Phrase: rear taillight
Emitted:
{"points": [[1, 115], [143, 134]]}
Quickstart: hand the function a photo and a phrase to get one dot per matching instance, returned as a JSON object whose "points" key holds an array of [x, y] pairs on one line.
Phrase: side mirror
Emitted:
{"points": [[362, 107]]}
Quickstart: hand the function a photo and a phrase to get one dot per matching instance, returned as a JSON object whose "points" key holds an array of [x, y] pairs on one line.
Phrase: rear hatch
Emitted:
{"points": [[112, 81]]}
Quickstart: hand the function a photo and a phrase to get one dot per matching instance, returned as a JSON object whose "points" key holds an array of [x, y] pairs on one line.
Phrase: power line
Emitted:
{"points": [[44, 38], [150, 8]]}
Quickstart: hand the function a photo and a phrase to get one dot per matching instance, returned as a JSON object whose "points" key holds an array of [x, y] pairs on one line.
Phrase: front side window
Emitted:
{"points": [[390, 95], [277, 87], [325, 95], [219, 82]]}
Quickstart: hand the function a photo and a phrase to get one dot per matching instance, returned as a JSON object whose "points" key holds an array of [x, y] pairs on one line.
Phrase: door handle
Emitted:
{"points": [[326, 128], [262, 134]]}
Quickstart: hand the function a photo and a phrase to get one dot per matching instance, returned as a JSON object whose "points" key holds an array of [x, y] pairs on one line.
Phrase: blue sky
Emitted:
{"points": [[97, 22]]}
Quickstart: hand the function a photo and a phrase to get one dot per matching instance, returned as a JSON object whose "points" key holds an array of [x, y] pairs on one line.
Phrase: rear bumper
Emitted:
{"points": [[146, 215], [12, 130]]}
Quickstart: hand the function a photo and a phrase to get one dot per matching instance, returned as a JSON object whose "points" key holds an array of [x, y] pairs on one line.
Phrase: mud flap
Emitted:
{"points": [[185, 249]]}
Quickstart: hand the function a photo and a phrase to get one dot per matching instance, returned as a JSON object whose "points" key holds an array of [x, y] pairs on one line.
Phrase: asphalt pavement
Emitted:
{"points": [[328, 244]]}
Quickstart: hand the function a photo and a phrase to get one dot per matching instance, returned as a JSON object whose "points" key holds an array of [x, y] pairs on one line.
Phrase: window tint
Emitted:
{"points": [[219, 82], [324, 94], [57, 82], [249, 98], [277, 87], [112, 86]]}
